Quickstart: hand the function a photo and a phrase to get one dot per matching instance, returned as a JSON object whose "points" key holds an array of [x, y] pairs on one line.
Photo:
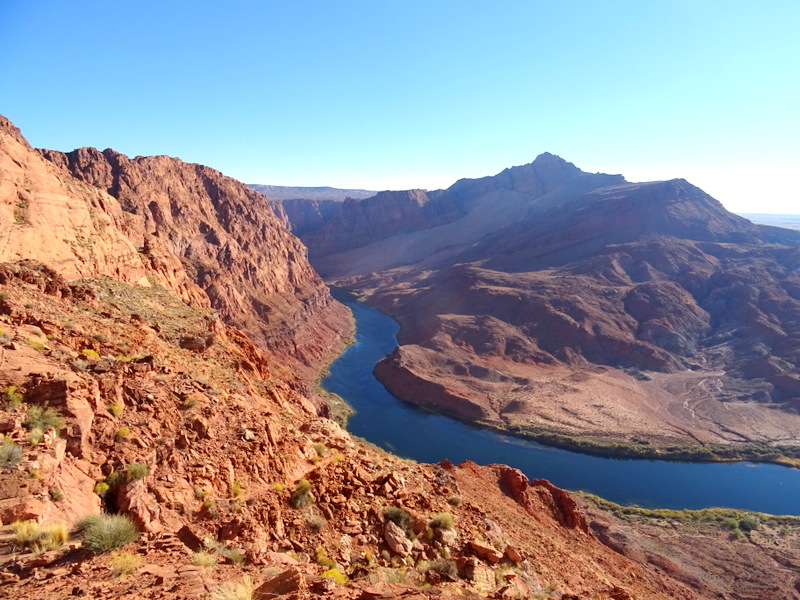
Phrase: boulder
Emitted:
{"points": [[396, 539]]}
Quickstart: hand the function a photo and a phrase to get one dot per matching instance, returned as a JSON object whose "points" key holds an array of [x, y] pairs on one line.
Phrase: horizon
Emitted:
{"points": [[413, 95]]}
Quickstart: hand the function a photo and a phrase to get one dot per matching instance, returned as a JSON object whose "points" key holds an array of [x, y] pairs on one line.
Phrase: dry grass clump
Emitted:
{"points": [[124, 563], [302, 494], [443, 520], [39, 537], [204, 558], [234, 590]]}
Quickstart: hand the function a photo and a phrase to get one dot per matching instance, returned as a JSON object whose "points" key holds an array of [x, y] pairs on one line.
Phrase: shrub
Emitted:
{"points": [[124, 563], [322, 559], [122, 433], [101, 488], [90, 354], [13, 397], [10, 454], [236, 489], [43, 418], [317, 523], [36, 345], [454, 500], [80, 364], [400, 517], [35, 436], [443, 520], [321, 449], [442, 566], [39, 537], [104, 533], [302, 494], [336, 575], [234, 590], [116, 408], [136, 471], [56, 495], [204, 558], [236, 555], [189, 402], [748, 524], [730, 523]]}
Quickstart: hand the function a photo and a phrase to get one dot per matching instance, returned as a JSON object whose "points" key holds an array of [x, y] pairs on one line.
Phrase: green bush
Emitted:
{"points": [[43, 418], [302, 494], [10, 454], [323, 559], [104, 533], [748, 524], [730, 523]]}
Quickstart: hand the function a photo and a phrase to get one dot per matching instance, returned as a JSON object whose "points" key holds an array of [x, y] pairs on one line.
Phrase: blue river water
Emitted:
{"points": [[410, 432]]}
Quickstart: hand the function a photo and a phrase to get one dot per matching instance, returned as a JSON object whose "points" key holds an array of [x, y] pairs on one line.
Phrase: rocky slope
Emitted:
{"points": [[229, 242], [564, 303], [202, 448]]}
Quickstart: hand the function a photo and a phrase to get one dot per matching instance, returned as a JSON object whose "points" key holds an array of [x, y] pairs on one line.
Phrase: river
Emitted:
{"points": [[410, 432]]}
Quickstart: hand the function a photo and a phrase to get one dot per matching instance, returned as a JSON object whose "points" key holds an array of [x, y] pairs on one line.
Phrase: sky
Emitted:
{"points": [[417, 94]]}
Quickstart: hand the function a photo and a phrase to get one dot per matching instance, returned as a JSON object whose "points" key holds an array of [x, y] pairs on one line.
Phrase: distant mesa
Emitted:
{"points": [[280, 193], [307, 209]]}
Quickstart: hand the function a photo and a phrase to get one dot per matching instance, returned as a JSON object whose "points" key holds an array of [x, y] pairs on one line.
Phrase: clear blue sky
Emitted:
{"points": [[387, 94]]}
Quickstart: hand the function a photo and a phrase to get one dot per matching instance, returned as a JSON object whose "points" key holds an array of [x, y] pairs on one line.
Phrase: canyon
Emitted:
{"points": [[582, 310], [161, 333]]}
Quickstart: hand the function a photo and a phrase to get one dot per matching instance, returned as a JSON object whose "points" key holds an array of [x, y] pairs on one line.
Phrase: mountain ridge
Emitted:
{"points": [[630, 286]]}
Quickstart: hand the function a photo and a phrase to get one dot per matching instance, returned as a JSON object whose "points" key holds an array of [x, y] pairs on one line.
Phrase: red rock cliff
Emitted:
{"points": [[229, 241]]}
